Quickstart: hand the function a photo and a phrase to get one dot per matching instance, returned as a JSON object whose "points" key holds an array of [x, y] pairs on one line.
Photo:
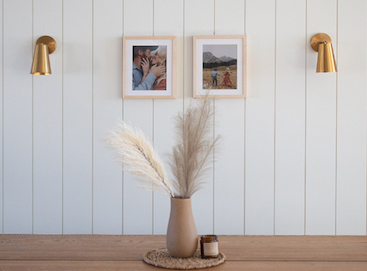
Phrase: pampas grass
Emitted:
{"points": [[192, 153], [190, 158], [139, 158]]}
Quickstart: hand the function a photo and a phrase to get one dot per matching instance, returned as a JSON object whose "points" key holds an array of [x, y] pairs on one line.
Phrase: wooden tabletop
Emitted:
{"points": [[124, 252]]}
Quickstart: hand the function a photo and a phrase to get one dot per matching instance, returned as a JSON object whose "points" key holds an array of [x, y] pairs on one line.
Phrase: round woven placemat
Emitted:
{"points": [[161, 258]]}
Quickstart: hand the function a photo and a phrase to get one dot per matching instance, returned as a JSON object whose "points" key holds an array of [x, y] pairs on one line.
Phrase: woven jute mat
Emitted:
{"points": [[161, 258]]}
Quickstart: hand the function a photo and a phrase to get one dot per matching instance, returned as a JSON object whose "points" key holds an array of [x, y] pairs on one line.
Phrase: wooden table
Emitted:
{"points": [[111, 252]]}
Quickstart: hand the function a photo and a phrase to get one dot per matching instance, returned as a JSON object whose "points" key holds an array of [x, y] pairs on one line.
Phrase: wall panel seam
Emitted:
{"points": [[152, 192], [32, 123], [213, 165], [122, 117], [244, 128], [305, 143], [183, 48], [214, 25], [275, 112], [2, 122], [153, 142], [336, 120], [92, 114], [62, 120], [213, 162]]}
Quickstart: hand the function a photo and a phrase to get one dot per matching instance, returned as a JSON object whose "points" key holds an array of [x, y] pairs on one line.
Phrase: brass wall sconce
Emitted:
{"points": [[45, 45], [322, 43]]}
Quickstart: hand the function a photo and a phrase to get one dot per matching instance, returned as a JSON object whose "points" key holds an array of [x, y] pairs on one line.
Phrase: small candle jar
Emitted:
{"points": [[209, 246]]}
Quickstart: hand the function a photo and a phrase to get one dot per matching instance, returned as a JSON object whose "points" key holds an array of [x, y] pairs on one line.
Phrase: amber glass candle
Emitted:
{"points": [[209, 246]]}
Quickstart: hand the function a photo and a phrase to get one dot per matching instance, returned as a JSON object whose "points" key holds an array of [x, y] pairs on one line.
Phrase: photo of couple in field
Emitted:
{"points": [[149, 67], [220, 66]]}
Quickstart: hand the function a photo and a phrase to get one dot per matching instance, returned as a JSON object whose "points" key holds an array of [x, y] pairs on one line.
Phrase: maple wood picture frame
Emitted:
{"points": [[137, 85], [219, 66]]}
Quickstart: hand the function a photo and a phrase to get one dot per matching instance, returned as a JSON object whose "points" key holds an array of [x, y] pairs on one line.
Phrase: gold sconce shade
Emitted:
{"points": [[322, 43], [326, 61], [41, 63]]}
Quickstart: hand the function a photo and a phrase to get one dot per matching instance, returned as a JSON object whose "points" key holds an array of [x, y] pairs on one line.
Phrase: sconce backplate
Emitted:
{"points": [[319, 38], [50, 42]]}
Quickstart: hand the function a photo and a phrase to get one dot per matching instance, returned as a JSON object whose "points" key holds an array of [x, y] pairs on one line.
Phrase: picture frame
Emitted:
{"points": [[155, 77], [219, 66]]}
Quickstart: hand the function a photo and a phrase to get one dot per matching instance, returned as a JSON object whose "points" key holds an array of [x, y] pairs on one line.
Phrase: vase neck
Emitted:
{"points": [[181, 204]]}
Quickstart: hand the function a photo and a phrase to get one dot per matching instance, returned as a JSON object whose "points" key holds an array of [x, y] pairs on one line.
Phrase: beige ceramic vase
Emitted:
{"points": [[182, 236]]}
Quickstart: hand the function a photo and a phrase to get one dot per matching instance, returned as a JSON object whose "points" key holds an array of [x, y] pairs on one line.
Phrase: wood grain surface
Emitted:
{"points": [[124, 252], [139, 266]]}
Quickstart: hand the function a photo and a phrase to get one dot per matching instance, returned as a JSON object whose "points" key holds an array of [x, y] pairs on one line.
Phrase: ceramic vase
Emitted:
{"points": [[182, 236]]}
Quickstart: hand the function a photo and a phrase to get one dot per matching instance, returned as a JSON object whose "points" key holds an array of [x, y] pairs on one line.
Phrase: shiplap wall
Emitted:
{"points": [[293, 153]]}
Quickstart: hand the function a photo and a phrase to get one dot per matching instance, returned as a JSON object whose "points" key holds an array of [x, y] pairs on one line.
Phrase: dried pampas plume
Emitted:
{"points": [[139, 158], [190, 158], [194, 145]]}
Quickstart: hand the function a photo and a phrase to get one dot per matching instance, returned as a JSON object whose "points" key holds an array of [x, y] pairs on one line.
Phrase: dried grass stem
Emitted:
{"points": [[194, 146]]}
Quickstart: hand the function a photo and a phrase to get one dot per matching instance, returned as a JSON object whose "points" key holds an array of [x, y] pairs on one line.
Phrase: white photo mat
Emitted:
{"points": [[199, 42], [128, 44]]}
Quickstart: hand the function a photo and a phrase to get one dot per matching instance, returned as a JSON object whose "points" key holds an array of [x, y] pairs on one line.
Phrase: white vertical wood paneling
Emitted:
{"points": [[165, 110], [259, 186], [17, 116], [77, 137], [290, 117], [107, 109], [137, 203], [1, 118], [199, 13], [302, 154], [47, 124], [229, 124], [351, 118], [320, 125]]}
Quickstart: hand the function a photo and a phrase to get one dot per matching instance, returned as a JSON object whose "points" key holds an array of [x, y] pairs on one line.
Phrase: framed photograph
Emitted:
{"points": [[219, 66], [149, 66]]}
